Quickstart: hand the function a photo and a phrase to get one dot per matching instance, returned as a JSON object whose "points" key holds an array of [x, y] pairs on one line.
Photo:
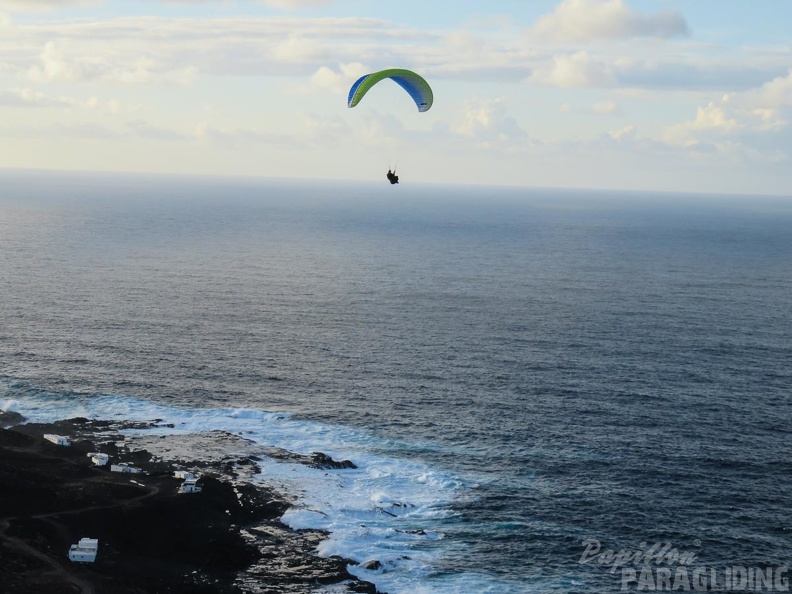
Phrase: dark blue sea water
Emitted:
{"points": [[521, 369]]}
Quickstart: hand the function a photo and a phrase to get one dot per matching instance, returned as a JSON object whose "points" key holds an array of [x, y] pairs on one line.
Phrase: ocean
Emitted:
{"points": [[525, 378]]}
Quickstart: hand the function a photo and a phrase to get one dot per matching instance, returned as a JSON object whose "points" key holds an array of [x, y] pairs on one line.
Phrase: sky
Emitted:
{"points": [[668, 95]]}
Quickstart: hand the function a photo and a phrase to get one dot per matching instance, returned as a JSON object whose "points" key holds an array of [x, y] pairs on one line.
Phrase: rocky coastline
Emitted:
{"points": [[225, 539]]}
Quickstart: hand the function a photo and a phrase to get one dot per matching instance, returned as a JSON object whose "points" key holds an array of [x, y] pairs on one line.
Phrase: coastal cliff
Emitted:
{"points": [[225, 539]]}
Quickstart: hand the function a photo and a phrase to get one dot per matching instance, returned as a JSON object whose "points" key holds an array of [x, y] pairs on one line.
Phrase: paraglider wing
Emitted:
{"points": [[411, 82]]}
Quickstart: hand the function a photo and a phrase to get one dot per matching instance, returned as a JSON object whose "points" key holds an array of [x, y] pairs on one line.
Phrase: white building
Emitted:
{"points": [[183, 474], [99, 459], [190, 486], [125, 468], [57, 439], [84, 551]]}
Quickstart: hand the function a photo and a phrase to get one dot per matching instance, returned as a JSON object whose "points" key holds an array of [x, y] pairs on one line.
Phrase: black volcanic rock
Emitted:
{"points": [[320, 460], [10, 418]]}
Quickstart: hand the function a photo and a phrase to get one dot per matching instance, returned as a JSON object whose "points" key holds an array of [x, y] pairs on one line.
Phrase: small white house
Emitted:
{"points": [[190, 486], [183, 474], [57, 439], [125, 468], [84, 551], [99, 459]]}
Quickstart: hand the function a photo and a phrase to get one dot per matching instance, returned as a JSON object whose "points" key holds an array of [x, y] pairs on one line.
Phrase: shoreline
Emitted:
{"points": [[225, 539]]}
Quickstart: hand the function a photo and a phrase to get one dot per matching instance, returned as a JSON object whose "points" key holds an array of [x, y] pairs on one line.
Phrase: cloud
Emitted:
{"points": [[55, 67], [474, 55], [30, 98], [693, 73], [111, 106], [76, 64], [772, 95], [141, 129], [284, 4], [339, 82], [297, 49], [626, 133], [588, 20], [84, 131], [603, 108], [711, 124], [712, 117], [325, 132], [44, 5], [628, 140], [606, 108], [144, 130], [750, 127], [575, 70], [754, 117], [377, 130], [143, 50], [158, 50], [663, 71], [295, 4], [240, 138], [488, 123], [770, 118]]}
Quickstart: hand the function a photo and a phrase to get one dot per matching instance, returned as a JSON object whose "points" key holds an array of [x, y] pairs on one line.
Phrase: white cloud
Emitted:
{"points": [[488, 123], [295, 4], [587, 20], [747, 128], [754, 116], [772, 95], [628, 133], [711, 123], [297, 49], [174, 51], [285, 4], [83, 131], [76, 64], [54, 67], [771, 119], [241, 138], [712, 117], [109, 106], [153, 50], [325, 131], [465, 43], [603, 108], [144, 130], [339, 82], [378, 130], [673, 70], [44, 5], [606, 108], [575, 70], [30, 98], [630, 141], [309, 131]]}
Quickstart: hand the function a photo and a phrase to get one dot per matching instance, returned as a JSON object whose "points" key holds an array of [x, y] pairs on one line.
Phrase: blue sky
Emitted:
{"points": [[680, 95]]}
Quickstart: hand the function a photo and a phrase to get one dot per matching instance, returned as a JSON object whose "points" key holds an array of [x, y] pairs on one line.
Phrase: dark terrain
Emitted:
{"points": [[225, 539]]}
